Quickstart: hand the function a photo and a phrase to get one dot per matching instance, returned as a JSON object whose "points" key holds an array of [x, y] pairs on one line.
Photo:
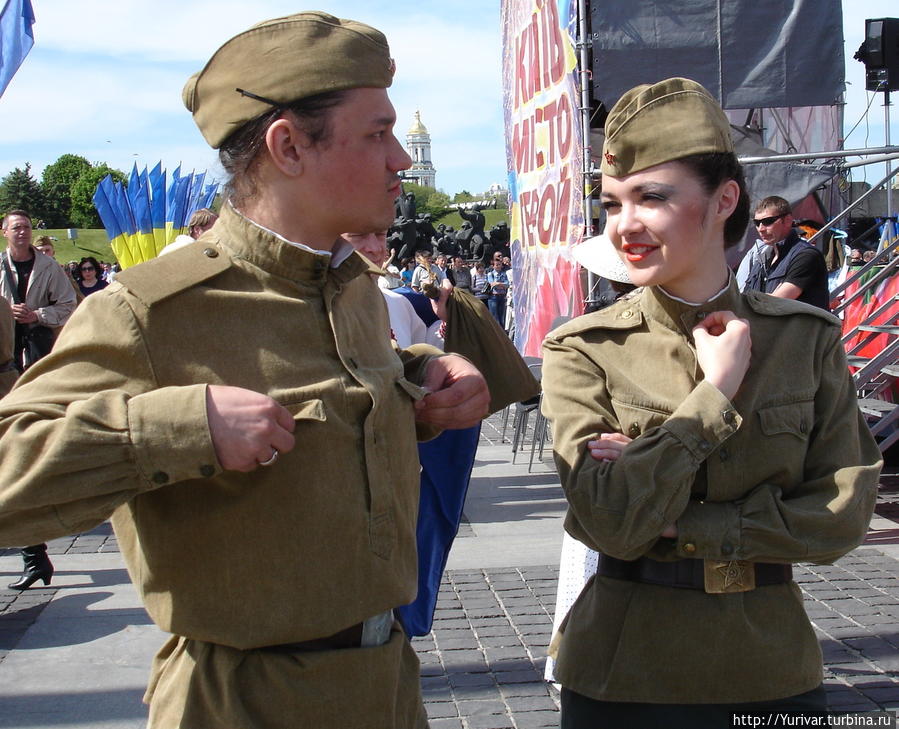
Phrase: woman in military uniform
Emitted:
{"points": [[706, 440]]}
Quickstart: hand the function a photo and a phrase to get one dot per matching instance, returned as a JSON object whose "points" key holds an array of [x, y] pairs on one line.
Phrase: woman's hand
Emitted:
{"points": [[723, 347], [607, 446]]}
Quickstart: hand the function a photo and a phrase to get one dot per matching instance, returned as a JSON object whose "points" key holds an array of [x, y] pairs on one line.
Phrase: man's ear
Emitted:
{"points": [[287, 146]]}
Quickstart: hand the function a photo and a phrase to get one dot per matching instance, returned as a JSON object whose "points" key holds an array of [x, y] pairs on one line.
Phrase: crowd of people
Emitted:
{"points": [[279, 451], [89, 274], [492, 286]]}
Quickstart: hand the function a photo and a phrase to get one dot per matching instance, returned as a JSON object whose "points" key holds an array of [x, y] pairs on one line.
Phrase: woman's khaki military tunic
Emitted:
{"points": [[787, 472], [114, 422]]}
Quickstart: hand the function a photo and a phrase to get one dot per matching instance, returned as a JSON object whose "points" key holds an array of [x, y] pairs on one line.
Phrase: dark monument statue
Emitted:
{"points": [[405, 206]]}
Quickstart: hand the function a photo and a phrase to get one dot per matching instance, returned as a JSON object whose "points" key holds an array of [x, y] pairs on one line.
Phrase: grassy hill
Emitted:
{"points": [[90, 242]]}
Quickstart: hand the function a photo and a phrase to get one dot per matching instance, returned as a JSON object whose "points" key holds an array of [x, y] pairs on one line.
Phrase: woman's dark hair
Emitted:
{"points": [[714, 168], [93, 261], [239, 152]]}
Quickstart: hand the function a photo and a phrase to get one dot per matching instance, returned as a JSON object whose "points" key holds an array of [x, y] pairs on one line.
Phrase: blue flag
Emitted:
{"points": [[16, 37]]}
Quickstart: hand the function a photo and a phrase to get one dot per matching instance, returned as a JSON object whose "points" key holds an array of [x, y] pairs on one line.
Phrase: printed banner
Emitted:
{"points": [[544, 157]]}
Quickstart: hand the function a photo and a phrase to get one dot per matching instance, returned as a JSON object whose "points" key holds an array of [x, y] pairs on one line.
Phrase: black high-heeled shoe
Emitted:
{"points": [[37, 567]]}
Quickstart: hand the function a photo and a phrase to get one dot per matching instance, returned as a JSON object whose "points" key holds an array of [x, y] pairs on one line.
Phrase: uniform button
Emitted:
{"points": [[210, 253], [634, 430], [160, 477], [700, 315], [206, 471], [627, 314], [730, 417], [723, 454], [689, 547], [704, 445], [803, 427], [727, 549]]}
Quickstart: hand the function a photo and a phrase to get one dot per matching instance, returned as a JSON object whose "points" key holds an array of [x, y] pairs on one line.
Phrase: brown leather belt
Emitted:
{"points": [[712, 576], [374, 631], [348, 638]]}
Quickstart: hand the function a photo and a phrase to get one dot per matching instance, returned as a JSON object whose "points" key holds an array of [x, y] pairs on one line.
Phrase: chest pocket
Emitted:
{"points": [[307, 410], [634, 420], [793, 421]]}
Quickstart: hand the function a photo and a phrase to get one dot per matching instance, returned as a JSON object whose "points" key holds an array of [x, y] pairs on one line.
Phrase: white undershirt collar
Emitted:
{"points": [[338, 254]]}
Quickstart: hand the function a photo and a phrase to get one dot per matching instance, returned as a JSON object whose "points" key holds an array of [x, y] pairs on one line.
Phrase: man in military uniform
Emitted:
{"points": [[238, 408]]}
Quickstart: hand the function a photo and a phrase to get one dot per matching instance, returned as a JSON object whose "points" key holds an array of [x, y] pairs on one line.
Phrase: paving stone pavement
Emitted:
{"points": [[482, 665]]}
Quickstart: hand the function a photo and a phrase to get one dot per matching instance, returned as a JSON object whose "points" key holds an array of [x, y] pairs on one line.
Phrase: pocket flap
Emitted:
{"points": [[795, 418], [412, 390], [307, 410]]}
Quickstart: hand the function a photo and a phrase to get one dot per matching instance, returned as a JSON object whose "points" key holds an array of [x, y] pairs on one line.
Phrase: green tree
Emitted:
{"points": [[463, 197], [83, 212], [428, 200], [20, 191], [57, 182]]}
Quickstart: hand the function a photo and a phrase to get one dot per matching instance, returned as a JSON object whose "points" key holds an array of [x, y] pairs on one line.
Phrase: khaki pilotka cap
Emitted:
{"points": [[283, 60], [657, 123]]}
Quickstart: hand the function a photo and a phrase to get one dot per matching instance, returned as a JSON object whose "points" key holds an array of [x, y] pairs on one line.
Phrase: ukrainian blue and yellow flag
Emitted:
{"points": [[146, 214], [889, 233]]}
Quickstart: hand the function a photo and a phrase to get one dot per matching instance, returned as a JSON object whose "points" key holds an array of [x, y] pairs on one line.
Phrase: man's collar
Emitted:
{"points": [[31, 250], [788, 242], [338, 253]]}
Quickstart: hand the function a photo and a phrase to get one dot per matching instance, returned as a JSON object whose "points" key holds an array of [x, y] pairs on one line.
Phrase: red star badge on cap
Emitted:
{"points": [[610, 158]]}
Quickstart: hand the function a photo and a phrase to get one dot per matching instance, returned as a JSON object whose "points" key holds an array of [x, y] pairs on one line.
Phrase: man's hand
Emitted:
{"points": [[22, 314], [723, 347], [246, 427], [459, 397], [439, 304]]}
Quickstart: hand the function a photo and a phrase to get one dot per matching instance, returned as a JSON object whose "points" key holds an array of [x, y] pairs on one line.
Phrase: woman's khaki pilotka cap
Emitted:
{"points": [[281, 61], [657, 123]]}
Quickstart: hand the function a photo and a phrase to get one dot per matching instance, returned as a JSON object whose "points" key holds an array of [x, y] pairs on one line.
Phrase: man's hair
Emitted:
{"points": [[14, 212], [777, 203], [712, 169], [44, 240], [203, 217], [240, 153]]}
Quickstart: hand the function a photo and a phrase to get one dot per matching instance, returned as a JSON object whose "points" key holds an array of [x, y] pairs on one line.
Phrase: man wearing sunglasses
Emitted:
{"points": [[781, 263]]}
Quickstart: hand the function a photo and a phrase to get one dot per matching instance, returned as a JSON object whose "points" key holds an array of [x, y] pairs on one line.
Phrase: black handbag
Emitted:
{"points": [[38, 343]]}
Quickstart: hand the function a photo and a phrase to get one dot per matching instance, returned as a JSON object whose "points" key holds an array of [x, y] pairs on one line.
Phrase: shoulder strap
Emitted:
{"points": [[10, 281]]}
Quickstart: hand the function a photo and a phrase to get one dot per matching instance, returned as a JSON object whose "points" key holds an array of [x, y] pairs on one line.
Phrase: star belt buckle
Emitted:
{"points": [[725, 576]]}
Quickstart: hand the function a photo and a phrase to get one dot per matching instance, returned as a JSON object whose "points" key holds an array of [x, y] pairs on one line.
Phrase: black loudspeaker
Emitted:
{"points": [[880, 54]]}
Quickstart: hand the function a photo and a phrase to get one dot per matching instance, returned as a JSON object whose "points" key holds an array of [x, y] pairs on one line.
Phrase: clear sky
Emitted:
{"points": [[104, 80]]}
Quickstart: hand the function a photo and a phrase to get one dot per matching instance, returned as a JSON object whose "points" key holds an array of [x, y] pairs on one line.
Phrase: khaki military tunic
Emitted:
{"points": [[786, 472], [113, 421]]}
